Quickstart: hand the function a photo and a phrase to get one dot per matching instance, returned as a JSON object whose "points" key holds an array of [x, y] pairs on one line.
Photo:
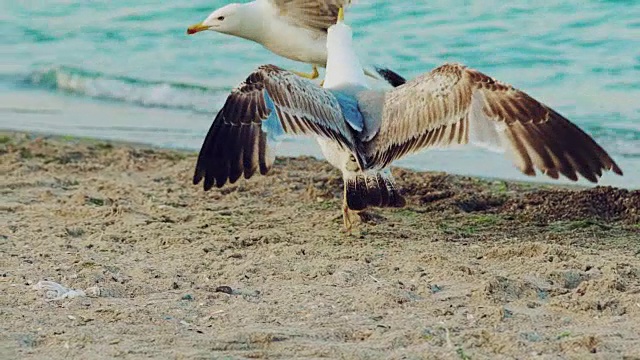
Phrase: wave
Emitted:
{"points": [[147, 93], [618, 137]]}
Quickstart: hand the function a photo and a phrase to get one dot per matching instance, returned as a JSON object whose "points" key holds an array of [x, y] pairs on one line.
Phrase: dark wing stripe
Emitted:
{"points": [[452, 132], [285, 122], [250, 153], [537, 146], [463, 137], [525, 163], [236, 165], [439, 135], [262, 155], [294, 123]]}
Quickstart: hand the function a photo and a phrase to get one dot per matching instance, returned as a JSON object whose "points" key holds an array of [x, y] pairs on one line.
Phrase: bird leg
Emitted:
{"points": [[346, 217], [314, 73]]}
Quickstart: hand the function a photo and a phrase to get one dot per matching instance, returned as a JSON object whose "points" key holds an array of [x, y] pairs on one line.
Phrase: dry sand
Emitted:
{"points": [[471, 269]]}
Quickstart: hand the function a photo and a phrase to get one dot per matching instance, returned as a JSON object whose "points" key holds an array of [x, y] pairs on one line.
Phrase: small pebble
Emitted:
{"points": [[225, 289]]}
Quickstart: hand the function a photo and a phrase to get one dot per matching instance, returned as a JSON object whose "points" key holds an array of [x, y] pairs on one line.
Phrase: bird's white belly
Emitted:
{"points": [[296, 44], [336, 155]]}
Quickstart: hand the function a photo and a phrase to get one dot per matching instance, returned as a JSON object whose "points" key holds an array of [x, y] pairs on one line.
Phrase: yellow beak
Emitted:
{"points": [[197, 28], [341, 15]]}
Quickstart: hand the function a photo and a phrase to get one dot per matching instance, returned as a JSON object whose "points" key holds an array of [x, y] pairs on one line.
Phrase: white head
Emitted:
{"points": [[232, 19], [343, 65]]}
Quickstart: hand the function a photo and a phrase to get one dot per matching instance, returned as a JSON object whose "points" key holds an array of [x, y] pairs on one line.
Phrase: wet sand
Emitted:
{"points": [[470, 269]]}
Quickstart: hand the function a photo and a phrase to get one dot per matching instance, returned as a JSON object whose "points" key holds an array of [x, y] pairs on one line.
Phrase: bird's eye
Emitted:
{"points": [[220, 18]]}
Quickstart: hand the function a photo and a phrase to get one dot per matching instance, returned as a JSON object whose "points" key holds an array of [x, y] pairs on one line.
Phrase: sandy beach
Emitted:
{"points": [[470, 269]]}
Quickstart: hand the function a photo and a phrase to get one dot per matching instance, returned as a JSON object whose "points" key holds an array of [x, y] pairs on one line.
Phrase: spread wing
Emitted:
{"points": [[312, 14], [454, 105], [271, 102]]}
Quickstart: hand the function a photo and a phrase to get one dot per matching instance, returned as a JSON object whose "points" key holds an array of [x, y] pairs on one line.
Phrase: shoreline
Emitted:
{"points": [[260, 268], [541, 180]]}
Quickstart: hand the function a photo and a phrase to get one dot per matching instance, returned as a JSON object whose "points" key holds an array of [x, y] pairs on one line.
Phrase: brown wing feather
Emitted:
{"points": [[428, 111], [454, 105], [236, 143], [311, 14]]}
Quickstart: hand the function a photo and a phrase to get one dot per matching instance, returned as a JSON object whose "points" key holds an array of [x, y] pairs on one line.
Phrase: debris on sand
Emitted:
{"points": [[244, 293], [56, 292], [225, 289]]}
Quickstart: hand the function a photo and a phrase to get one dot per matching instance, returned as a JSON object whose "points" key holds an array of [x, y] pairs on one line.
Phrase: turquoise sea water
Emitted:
{"points": [[126, 70]]}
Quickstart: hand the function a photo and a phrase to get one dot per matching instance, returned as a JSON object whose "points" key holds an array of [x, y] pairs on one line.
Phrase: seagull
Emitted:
{"points": [[294, 29], [363, 131]]}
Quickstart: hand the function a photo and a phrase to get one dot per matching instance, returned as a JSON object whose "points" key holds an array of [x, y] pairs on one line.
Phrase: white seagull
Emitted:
{"points": [[294, 29], [362, 131]]}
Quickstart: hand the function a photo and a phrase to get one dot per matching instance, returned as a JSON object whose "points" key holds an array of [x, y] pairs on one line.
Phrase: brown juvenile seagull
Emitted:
{"points": [[294, 29], [362, 131]]}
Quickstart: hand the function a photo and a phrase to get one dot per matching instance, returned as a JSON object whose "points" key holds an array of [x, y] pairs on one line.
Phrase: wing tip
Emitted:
{"points": [[587, 160], [552, 173], [393, 78], [571, 176], [221, 183], [528, 170], [208, 184], [616, 169], [593, 177], [197, 177]]}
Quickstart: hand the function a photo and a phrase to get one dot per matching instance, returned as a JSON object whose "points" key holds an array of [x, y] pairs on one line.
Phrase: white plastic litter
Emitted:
{"points": [[55, 291], [93, 291]]}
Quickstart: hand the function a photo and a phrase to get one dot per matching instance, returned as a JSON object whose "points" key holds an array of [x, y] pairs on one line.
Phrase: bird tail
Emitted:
{"points": [[364, 189], [385, 74]]}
